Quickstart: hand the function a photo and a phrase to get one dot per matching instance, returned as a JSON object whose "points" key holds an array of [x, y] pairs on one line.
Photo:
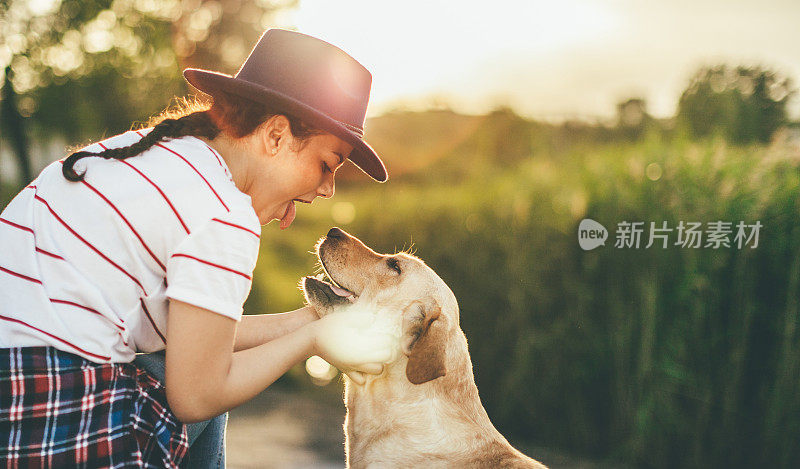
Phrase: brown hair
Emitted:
{"points": [[197, 117]]}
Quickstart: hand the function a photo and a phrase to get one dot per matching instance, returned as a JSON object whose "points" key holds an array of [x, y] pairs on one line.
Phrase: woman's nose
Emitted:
{"points": [[326, 190]]}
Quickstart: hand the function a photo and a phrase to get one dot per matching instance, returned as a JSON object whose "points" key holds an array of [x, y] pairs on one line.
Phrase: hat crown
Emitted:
{"points": [[309, 79], [311, 71]]}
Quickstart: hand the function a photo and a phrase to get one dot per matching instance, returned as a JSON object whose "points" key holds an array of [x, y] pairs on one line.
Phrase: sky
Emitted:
{"points": [[551, 59]]}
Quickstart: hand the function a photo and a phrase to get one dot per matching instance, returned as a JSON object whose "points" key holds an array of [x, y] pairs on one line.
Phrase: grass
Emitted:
{"points": [[651, 357]]}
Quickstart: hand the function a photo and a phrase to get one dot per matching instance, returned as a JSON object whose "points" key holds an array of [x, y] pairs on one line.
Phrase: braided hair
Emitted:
{"points": [[235, 115]]}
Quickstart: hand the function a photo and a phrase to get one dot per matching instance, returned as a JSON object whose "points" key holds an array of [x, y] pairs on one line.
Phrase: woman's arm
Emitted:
{"points": [[205, 377], [258, 329]]}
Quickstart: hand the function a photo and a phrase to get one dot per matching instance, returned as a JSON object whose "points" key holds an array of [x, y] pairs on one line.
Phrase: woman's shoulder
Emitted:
{"points": [[181, 178], [192, 170]]}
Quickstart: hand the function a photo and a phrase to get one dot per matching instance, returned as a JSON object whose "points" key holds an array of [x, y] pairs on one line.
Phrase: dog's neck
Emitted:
{"points": [[389, 410]]}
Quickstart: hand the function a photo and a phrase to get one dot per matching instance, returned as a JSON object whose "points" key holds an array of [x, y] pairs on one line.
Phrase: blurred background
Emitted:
{"points": [[503, 125]]}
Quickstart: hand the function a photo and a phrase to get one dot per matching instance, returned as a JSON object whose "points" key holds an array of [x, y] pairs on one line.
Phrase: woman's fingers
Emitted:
{"points": [[376, 349], [356, 377], [347, 339], [370, 368]]}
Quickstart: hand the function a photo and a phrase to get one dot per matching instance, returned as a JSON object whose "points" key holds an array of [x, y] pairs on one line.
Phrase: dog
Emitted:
{"points": [[423, 410]]}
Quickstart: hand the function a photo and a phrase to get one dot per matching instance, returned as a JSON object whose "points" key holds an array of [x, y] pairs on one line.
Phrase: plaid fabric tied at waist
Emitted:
{"points": [[60, 410]]}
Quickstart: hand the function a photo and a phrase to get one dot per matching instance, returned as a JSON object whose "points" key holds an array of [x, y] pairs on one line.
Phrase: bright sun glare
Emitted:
{"points": [[548, 58], [419, 48]]}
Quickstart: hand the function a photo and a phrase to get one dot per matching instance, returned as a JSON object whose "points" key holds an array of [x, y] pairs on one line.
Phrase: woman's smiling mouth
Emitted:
{"points": [[290, 213]]}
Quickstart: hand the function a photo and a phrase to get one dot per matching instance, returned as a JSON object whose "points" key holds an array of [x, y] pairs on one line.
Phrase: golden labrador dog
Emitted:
{"points": [[424, 409]]}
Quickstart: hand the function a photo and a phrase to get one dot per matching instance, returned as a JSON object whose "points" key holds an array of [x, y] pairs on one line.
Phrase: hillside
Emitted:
{"points": [[410, 141]]}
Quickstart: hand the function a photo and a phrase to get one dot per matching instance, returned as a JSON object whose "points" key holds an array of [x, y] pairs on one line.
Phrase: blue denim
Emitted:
{"points": [[207, 438]]}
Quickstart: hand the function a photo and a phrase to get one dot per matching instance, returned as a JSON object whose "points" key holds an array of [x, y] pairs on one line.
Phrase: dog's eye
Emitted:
{"points": [[394, 265]]}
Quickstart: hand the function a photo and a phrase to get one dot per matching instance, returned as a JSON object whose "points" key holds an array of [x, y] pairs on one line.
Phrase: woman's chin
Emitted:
{"points": [[266, 219], [279, 213]]}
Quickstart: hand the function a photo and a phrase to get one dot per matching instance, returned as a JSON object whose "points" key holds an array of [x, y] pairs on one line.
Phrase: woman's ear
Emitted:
{"points": [[276, 130], [424, 342]]}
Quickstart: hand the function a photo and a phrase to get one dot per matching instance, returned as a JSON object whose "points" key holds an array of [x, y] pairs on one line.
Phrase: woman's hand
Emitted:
{"points": [[344, 340], [205, 377]]}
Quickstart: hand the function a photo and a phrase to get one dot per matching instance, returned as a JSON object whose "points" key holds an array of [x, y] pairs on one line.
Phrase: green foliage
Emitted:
{"points": [[743, 104], [633, 120], [71, 49], [86, 67], [673, 357], [81, 69]]}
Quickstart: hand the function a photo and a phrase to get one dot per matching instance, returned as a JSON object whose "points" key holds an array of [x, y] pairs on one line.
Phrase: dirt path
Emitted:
{"points": [[281, 429], [286, 430]]}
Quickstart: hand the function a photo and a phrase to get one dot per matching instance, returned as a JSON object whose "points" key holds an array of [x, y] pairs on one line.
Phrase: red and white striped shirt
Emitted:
{"points": [[87, 267]]}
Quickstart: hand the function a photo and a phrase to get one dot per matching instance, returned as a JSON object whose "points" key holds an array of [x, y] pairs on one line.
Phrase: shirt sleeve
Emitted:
{"points": [[213, 266]]}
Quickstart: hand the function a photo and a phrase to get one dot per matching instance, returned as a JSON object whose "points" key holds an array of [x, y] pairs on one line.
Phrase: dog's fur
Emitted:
{"points": [[424, 409]]}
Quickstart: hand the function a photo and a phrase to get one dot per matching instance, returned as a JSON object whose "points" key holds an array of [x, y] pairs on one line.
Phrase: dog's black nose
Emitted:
{"points": [[336, 233]]}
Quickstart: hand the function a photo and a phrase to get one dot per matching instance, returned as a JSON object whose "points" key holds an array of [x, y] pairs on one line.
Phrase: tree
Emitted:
{"points": [[632, 118], [743, 104], [84, 68]]}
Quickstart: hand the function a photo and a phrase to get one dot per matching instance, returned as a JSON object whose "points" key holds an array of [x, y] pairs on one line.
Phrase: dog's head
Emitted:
{"points": [[399, 288]]}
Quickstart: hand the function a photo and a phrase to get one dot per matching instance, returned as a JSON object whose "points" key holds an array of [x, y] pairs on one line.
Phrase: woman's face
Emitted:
{"points": [[298, 171]]}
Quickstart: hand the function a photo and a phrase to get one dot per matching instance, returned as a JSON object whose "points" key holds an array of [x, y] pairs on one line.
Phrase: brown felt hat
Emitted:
{"points": [[308, 78]]}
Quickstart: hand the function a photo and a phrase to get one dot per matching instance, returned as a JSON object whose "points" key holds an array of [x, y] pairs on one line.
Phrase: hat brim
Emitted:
{"points": [[363, 155]]}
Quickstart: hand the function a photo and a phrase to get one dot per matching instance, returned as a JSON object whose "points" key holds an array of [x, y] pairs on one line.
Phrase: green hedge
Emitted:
{"points": [[656, 357]]}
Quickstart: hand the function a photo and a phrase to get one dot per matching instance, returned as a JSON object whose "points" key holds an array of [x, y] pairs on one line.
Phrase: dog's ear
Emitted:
{"points": [[424, 342]]}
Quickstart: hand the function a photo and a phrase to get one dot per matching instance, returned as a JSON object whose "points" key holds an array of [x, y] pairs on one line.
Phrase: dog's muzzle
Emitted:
{"points": [[326, 293]]}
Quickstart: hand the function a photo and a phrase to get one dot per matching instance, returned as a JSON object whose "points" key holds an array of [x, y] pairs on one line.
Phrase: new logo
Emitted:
{"points": [[591, 234]]}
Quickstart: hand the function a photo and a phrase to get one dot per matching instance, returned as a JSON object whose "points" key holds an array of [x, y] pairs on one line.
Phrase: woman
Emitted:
{"points": [[152, 247]]}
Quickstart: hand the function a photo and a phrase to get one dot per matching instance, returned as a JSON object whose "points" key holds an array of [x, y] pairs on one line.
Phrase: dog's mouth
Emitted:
{"points": [[337, 290], [324, 289]]}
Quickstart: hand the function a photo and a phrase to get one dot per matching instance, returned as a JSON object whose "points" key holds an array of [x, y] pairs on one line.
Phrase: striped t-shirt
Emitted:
{"points": [[87, 267]]}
